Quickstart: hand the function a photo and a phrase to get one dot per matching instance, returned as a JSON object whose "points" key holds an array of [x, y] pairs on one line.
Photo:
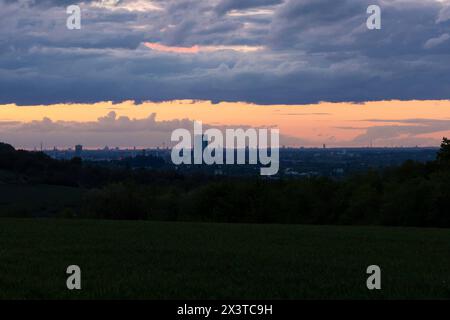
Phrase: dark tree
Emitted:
{"points": [[443, 156]]}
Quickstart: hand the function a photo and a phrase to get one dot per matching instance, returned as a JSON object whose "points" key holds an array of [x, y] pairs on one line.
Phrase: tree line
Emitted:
{"points": [[413, 194]]}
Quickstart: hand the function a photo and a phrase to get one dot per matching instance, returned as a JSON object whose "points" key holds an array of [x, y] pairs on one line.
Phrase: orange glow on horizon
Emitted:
{"points": [[330, 123]]}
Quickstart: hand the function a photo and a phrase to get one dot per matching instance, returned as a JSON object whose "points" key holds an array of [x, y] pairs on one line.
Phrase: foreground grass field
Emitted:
{"points": [[154, 260]]}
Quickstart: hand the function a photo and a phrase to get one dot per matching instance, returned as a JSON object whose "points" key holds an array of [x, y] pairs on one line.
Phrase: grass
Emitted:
{"points": [[152, 260]]}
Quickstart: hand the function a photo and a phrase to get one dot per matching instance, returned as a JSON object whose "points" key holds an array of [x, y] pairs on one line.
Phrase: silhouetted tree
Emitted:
{"points": [[443, 155]]}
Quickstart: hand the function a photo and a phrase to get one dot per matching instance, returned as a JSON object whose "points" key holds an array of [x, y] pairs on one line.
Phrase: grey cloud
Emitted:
{"points": [[437, 41], [109, 130], [444, 14], [315, 50], [401, 132], [228, 5]]}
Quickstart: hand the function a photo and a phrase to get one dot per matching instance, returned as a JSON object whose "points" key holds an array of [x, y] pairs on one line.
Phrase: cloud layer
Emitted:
{"points": [[308, 51], [110, 130]]}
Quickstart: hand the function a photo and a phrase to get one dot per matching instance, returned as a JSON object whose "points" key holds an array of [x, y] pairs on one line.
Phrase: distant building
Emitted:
{"points": [[78, 150]]}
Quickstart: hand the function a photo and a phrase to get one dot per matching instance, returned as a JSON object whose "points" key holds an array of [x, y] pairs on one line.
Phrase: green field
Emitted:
{"points": [[155, 260]]}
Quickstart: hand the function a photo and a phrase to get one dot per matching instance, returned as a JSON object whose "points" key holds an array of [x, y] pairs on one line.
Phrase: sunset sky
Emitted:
{"points": [[138, 69]]}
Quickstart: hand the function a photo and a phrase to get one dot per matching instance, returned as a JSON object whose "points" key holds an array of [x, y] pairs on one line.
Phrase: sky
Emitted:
{"points": [[138, 69]]}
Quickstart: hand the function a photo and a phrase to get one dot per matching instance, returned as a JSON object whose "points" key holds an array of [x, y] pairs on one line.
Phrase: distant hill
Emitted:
{"points": [[5, 148], [39, 168]]}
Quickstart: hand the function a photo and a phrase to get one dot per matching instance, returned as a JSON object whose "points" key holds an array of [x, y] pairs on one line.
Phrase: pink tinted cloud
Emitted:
{"points": [[197, 48], [164, 48]]}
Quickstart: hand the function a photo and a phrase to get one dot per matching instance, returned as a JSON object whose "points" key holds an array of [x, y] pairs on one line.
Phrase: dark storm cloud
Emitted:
{"points": [[228, 5], [314, 50], [42, 3]]}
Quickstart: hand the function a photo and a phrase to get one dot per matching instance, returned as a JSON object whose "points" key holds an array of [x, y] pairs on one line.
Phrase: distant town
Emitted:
{"points": [[294, 162]]}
